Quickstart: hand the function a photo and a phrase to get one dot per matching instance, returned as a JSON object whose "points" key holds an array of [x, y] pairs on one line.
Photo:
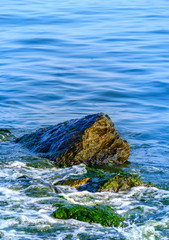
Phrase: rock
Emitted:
{"points": [[104, 215], [4, 130], [121, 183], [97, 178], [73, 182], [5, 135], [91, 140]]}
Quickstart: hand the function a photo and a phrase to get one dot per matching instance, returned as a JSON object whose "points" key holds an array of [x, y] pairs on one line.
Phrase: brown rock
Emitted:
{"points": [[73, 182], [91, 140]]}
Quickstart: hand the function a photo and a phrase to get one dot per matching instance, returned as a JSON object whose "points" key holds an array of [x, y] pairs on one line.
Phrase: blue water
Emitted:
{"points": [[66, 59]]}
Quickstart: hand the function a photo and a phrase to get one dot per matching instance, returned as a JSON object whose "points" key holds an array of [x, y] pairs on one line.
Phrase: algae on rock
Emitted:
{"points": [[101, 182], [73, 182], [121, 183], [103, 215], [5, 135], [91, 140]]}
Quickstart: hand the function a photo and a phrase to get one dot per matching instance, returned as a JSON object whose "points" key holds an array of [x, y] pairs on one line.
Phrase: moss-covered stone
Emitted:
{"points": [[96, 173], [97, 178], [5, 135], [104, 215], [121, 183], [92, 140], [73, 182]]}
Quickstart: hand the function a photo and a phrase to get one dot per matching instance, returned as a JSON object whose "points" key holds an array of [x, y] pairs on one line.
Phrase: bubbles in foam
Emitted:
{"points": [[27, 212]]}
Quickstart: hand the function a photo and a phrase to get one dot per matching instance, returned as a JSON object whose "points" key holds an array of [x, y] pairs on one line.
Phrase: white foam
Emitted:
{"points": [[16, 164], [4, 174], [88, 198], [146, 231], [141, 233], [164, 223], [64, 173], [29, 211], [8, 193]]}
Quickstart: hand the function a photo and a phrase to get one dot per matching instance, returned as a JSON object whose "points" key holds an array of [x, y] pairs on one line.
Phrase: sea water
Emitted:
{"points": [[66, 59]]}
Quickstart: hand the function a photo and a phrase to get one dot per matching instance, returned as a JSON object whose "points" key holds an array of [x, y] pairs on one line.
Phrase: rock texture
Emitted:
{"points": [[104, 215], [104, 182], [91, 140], [73, 182], [121, 183]]}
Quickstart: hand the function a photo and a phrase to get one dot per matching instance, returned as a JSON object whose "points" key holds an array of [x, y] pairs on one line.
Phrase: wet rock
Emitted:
{"points": [[97, 178], [73, 182], [5, 135], [91, 140], [121, 183], [4, 130], [104, 215]]}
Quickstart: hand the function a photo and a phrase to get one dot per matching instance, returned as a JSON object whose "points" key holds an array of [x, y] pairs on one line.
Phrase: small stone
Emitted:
{"points": [[73, 182], [121, 183]]}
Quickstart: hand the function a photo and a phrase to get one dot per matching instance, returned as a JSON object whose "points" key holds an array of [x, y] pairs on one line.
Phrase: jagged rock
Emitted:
{"points": [[104, 215], [121, 183], [73, 182], [91, 140]]}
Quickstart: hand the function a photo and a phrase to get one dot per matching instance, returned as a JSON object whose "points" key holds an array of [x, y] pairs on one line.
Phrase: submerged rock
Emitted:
{"points": [[104, 215], [97, 181], [5, 135], [121, 183], [4, 130], [73, 182], [91, 140]]}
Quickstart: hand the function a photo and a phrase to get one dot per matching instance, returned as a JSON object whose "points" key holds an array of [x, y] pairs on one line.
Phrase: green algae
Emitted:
{"points": [[106, 115], [5, 135], [121, 183], [104, 215], [97, 178], [93, 172], [38, 191]]}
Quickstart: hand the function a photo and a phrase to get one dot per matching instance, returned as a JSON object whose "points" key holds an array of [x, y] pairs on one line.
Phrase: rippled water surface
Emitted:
{"points": [[66, 59]]}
